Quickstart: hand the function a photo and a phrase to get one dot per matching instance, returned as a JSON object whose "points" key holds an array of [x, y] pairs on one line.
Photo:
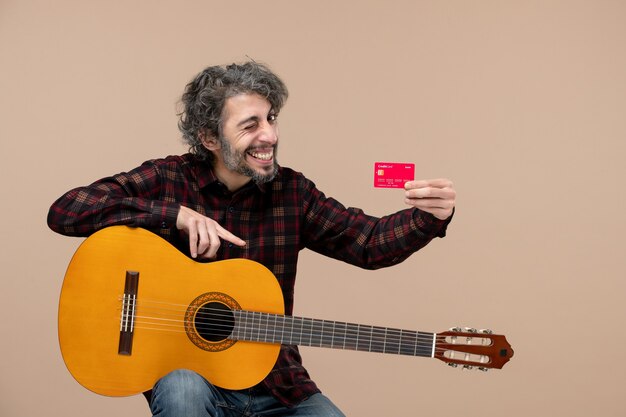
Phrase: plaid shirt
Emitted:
{"points": [[277, 220]]}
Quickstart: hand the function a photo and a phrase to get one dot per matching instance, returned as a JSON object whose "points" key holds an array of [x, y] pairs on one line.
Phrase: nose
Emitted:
{"points": [[269, 133]]}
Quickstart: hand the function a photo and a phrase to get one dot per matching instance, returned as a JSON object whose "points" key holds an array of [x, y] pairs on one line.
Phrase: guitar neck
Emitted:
{"points": [[274, 328]]}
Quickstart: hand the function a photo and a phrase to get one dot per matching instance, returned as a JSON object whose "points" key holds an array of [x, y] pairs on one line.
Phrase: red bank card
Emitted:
{"points": [[393, 174]]}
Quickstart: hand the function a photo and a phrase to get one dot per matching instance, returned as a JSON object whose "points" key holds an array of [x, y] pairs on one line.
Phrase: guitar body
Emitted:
{"points": [[91, 307]]}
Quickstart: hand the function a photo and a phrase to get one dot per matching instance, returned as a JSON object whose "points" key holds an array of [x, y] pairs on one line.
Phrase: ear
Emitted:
{"points": [[209, 140]]}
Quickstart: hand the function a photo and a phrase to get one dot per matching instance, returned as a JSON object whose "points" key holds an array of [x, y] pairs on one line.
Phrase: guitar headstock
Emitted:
{"points": [[472, 349]]}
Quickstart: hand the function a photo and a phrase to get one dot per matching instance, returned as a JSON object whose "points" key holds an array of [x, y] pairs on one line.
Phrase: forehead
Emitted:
{"points": [[244, 106]]}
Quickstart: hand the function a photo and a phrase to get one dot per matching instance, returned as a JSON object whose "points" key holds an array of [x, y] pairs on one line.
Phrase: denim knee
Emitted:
{"points": [[181, 392], [181, 378]]}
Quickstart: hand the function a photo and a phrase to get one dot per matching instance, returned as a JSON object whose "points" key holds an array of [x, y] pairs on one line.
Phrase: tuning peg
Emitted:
{"points": [[482, 368], [468, 367], [454, 365], [471, 330], [456, 329], [486, 331]]}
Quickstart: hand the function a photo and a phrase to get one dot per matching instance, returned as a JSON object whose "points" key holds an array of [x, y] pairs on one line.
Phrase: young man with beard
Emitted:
{"points": [[229, 198]]}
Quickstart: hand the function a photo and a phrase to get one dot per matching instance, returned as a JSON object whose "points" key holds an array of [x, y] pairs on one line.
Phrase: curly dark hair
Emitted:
{"points": [[205, 96]]}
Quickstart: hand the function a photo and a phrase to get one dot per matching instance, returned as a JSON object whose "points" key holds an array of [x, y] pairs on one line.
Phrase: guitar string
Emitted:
{"points": [[349, 345], [319, 322], [379, 338], [320, 327], [415, 347], [477, 359], [276, 334], [207, 311], [223, 319], [376, 336]]}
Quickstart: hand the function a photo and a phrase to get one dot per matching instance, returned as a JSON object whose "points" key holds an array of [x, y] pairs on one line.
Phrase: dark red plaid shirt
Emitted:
{"points": [[277, 220]]}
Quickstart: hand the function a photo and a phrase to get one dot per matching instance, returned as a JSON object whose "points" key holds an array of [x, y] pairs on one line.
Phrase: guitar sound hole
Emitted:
{"points": [[214, 322]]}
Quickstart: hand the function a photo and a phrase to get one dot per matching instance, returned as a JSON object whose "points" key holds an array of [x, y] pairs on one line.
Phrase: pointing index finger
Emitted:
{"points": [[226, 235]]}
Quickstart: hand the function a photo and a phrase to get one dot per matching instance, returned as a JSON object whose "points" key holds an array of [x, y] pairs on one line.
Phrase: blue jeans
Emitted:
{"points": [[185, 393]]}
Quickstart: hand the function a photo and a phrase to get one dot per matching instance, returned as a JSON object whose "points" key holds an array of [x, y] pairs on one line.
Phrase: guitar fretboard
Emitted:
{"points": [[289, 330]]}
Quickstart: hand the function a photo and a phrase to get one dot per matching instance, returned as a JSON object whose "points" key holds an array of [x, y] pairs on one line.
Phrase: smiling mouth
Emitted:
{"points": [[262, 156]]}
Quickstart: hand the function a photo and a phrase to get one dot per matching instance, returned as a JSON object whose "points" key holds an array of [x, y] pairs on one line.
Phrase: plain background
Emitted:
{"points": [[521, 103]]}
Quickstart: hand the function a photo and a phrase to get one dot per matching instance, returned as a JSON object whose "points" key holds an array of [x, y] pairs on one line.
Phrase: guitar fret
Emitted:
{"points": [[280, 324], [339, 335], [252, 325], [282, 329], [392, 341], [377, 340], [364, 338], [255, 326], [312, 339], [288, 330], [408, 343], [246, 328], [249, 326], [302, 330], [326, 336], [277, 328], [273, 338], [309, 328], [289, 340], [425, 344], [351, 336], [271, 328], [318, 332], [261, 328]]}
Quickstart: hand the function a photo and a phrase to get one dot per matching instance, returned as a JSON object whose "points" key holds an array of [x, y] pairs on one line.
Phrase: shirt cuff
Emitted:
{"points": [[164, 214], [429, 225]]}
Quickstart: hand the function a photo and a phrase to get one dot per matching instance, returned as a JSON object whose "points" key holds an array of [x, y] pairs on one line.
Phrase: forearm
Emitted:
{"points": [[129, 198], [371, 243], [80, 213], [398, 236]]}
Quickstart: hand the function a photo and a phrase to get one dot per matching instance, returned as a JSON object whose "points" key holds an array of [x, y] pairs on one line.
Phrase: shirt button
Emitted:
{"points": [[231, 209], [163, 225]]}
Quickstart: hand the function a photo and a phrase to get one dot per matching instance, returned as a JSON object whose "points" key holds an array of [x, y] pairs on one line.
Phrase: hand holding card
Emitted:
{"points": [[436, 196]]}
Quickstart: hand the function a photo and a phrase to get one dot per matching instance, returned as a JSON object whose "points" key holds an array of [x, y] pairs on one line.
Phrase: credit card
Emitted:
{"points": [[393, 174]]}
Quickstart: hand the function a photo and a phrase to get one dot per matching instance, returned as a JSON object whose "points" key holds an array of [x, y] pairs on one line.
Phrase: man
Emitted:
{"points": [[229, 198]]}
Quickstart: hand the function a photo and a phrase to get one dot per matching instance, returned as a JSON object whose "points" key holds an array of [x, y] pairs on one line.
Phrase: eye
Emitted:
{"points": [[272, 117]]}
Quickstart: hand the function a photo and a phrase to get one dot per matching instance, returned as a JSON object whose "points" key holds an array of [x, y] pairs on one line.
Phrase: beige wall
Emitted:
{"points": [[521, 103]]}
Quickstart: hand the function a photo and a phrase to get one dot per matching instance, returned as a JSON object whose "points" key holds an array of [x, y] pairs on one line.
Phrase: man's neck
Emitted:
{"points": [[232, 180]]}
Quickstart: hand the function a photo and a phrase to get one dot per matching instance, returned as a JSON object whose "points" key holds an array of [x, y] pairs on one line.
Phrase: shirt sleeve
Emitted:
{"points": [[366, 241], [129, 198]]}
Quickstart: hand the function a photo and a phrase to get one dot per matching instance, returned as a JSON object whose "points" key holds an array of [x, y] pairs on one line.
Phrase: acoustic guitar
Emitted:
{"points": [[133, 308]]}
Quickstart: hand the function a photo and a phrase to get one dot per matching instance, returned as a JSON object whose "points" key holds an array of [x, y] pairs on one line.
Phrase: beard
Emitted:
{"points": [[236, 161]]}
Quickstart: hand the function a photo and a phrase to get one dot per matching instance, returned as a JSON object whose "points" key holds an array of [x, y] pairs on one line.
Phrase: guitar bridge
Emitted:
{"points": [[127, 318]]}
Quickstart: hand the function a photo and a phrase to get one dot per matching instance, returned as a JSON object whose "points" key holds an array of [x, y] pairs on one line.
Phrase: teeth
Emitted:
{"points": [[263, 156]]}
